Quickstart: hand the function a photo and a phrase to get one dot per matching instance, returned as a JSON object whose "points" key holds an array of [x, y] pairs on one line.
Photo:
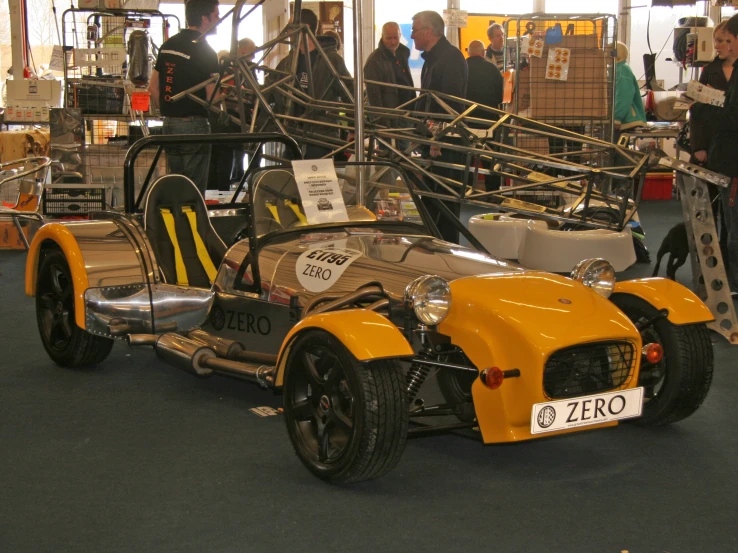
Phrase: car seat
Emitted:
{"points": [[176, 221], [277, 199]]}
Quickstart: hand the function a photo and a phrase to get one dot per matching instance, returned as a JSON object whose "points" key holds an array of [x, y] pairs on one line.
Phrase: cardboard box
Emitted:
{"points": [[582, 97], [34, 92], [532, 143]]}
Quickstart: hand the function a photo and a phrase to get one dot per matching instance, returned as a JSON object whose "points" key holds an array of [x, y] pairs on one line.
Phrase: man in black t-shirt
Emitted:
{"points": [[186, 60]]}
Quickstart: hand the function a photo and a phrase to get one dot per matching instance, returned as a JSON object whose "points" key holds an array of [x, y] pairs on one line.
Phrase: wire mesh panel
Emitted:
{"points": [[108, 54], [100, 49], [565, 76]]}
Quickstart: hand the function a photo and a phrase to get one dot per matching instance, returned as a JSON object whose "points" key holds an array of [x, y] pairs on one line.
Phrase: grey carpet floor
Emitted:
{"points": [[139, 457]]}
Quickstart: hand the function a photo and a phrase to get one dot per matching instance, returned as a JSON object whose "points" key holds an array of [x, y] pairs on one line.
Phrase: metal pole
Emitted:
{"points": [[359, 95]]}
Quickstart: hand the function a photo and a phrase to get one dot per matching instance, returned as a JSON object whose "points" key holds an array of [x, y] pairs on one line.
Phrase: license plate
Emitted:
{"points": [[586, 410]]}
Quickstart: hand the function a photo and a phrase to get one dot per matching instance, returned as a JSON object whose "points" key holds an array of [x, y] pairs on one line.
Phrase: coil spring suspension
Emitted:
{"points": [[415, 378]]}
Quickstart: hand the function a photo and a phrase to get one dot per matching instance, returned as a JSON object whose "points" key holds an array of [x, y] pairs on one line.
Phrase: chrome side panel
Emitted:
{"points": [[133, 226], [176, 308], [115, 311], [109, 255], [118, 310]]}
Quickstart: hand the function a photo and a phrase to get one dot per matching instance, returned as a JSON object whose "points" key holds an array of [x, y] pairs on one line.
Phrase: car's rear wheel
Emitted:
{"points": [[347, 420], [675, 387], [66, 343]]}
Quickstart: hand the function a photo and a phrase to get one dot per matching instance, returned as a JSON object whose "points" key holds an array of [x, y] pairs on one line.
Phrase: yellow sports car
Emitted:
{"points": [[348, 313]]}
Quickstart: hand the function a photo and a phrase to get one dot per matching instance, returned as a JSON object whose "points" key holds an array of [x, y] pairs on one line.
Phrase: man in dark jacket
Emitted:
{"points": [[484, 86], [444, 71], [389, 64], [319, 82]]}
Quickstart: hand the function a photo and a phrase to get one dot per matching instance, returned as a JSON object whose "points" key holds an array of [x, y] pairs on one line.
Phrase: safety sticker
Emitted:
{"points": [[320, 268]]}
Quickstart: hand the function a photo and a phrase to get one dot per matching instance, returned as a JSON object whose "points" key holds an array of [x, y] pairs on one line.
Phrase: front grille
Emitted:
{"points": [[587, 369]]}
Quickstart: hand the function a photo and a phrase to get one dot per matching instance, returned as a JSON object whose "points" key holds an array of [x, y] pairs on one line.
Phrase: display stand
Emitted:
{"points": [[710, 281]]}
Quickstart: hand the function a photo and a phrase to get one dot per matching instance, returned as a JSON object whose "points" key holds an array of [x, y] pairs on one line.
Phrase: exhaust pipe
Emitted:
{"points": [[221, 346], [230, 349], [185, 354], [198, 358]]}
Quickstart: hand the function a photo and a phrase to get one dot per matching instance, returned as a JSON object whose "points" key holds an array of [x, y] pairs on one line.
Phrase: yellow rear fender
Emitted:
{"points": [[366, 334], [683, 305], [50, 235]]}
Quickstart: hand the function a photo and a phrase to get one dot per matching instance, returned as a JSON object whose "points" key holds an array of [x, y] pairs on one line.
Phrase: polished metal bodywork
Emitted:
{"points": [[395, 260]]}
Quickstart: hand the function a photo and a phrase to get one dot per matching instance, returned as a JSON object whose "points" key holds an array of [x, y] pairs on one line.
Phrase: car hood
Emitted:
{"points": [[342, 262]]}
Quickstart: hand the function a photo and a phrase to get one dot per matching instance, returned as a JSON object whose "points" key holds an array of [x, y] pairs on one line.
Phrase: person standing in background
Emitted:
{"points": [[715, 74], [226, 161], [323, 86], [389, 64], [186, 60], [721, 156], [444, 70], [496, 49], [484, 86], [335, 36], [629, 110]]}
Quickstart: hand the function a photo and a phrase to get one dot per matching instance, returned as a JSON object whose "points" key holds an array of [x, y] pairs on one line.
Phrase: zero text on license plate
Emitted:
{"points": [[586, 410]]}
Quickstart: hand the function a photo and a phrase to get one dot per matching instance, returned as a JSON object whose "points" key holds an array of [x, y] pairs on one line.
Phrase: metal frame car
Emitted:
{"points": [[349, 318]]}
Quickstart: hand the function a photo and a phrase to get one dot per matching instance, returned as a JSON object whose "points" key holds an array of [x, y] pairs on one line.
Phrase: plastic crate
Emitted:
{"points": [[658, 186], [96, 95], [73, 201]]}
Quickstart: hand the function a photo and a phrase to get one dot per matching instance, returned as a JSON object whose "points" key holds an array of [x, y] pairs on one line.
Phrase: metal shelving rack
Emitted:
{"points": [[97, 55], [580, 97]]}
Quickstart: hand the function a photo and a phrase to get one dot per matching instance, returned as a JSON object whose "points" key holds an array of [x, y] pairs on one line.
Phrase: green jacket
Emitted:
{"points": [[629, 111]]}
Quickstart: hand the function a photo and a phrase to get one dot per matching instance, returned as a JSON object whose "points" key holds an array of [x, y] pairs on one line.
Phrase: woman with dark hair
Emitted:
{"points": [[721, 156]]}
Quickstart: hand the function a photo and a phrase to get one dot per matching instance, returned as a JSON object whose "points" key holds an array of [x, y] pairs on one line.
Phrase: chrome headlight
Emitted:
{"points": [[597, 274], [430, 297]]}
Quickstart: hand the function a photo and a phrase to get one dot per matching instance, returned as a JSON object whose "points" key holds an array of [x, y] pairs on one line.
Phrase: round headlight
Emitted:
{"points": [[597, 274], [430, 297]]}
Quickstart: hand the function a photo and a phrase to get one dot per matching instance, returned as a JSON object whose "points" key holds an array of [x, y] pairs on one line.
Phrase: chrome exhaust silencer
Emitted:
{"points": [[199, 358], [185, 354], [221, 346]]}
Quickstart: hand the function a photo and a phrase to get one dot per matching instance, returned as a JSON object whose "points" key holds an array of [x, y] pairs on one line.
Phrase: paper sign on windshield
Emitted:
{"points": [[321, 196]]}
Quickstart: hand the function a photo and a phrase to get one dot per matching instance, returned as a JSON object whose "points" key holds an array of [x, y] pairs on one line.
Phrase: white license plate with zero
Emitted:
{"points": [[586, 410]]}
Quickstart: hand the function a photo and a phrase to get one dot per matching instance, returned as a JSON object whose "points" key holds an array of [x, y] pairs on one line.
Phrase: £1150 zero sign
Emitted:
{"points": [[319, 268]]}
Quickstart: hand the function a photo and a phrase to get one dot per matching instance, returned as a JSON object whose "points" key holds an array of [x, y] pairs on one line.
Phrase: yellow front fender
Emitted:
{"points": [[366, 334], [683, 305], [65, 240]]}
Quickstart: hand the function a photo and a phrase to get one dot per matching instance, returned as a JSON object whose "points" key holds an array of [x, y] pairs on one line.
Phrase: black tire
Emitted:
{"points": [[677, 386], [456, 387], [347, 420], [66, 343]]}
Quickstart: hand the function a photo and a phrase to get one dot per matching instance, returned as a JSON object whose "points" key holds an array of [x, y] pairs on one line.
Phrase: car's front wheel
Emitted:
{"points": [[676, 386], [346, 419], [66, 343]]}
